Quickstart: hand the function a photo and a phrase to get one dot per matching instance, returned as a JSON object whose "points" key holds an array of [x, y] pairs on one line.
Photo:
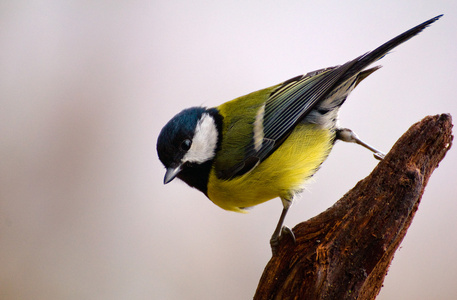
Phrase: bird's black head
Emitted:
{"points": [[176, 136], [188, 143]]}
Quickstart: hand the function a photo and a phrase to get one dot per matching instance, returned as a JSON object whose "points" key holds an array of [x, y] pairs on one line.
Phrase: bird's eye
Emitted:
{"points": [[185, 145]]}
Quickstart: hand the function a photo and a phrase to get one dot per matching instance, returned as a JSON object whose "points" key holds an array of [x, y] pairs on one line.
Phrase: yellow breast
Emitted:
{"points": [[282, 174]]}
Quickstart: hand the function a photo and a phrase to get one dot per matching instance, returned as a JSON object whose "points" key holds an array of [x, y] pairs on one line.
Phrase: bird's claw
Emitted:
{"points": [[379, 155], [274, 241]]}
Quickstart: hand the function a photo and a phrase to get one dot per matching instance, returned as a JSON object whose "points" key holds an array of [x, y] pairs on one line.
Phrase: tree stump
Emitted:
{"points": [[344, 252]]}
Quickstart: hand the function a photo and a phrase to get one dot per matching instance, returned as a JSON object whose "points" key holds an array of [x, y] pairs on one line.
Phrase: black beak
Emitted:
{"points": [[171, 174]]}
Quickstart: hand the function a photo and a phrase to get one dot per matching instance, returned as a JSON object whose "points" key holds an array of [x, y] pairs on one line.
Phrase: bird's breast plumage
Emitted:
{"points": [[282, 174]]}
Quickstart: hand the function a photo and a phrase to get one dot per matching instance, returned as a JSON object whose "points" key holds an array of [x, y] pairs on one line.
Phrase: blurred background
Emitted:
{"points": [[86, 86]]}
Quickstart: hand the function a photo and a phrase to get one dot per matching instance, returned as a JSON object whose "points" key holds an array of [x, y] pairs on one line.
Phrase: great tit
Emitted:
{"points": [[268, 143]]}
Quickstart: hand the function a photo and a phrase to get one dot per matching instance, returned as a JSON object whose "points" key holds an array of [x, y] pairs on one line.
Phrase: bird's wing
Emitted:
{"points": [[294, 99]]}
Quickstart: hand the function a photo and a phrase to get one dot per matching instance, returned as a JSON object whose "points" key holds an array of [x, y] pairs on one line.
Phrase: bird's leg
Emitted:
{"points": [[347, 135], [280, 229]]}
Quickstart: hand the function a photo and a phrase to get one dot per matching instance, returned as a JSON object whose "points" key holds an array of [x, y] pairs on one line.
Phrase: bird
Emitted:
{"points": [[268, 143]]}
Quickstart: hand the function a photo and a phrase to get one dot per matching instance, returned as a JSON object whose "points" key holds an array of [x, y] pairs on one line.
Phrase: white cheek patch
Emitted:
{"points": [[204, 143]]}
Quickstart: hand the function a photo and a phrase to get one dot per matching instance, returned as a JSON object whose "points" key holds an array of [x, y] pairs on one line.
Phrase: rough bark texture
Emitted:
{"points": [[344, 252]]}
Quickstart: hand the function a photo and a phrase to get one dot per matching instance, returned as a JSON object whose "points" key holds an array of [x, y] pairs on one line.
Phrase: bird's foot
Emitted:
{"points": [[379, 155], [275, 239]]}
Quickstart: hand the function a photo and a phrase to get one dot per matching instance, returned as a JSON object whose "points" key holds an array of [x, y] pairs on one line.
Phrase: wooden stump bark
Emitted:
{"points": [[344, 252]]}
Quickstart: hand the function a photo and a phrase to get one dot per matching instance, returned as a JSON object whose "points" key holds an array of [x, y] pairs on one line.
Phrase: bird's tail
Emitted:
{"points": [[368, 58]]}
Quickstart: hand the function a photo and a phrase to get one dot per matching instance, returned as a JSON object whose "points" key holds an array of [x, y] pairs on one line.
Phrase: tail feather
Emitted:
{"points": [[364, 74], [372, 56]]}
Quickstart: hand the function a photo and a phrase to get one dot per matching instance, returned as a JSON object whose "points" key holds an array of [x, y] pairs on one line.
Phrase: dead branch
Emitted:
{"points": [[344, 252]]}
